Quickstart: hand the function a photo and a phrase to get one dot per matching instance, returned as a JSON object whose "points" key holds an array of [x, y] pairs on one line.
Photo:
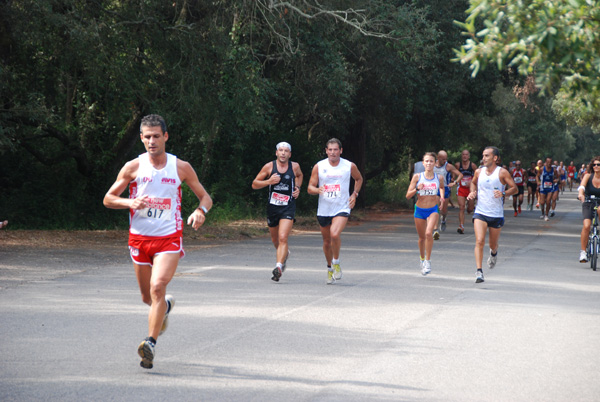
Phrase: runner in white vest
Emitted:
{"points": [[330, 180], [155, 243], [488, 186]]}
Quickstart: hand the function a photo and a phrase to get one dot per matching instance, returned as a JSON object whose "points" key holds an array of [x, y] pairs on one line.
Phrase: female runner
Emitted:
{"points": [[427, 185]]}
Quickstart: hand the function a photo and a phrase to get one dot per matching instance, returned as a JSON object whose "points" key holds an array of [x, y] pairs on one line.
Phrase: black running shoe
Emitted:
{"points": [[276, 274]]}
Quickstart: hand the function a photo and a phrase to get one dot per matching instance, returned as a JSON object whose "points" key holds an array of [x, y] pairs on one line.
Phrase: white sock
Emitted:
{"points": [[334, 261]]}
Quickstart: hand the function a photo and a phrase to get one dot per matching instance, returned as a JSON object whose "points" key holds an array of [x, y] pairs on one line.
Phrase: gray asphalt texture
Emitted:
{"points": [[530, 332]]}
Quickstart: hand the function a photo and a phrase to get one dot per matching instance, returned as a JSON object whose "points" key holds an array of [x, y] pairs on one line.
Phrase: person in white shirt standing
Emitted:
{"points": [[330, 180], [155, 223], [489, 187]]}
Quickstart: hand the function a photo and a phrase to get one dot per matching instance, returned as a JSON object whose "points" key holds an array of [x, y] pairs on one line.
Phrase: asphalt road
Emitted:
{"points": [[530, 332]]}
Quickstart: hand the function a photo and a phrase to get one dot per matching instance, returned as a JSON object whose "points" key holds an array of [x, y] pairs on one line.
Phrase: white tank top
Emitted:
{"points": [[430, 186], [162, 217], [487, 204], [336, 180]]}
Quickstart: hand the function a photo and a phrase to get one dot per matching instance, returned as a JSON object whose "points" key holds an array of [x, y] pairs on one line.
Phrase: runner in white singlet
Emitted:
{"points": [[488, 185], [330, 180], [156, 226]]}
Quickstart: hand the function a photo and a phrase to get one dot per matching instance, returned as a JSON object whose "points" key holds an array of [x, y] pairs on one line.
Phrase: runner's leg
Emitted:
{"points": [[285, 227], [431, 225], [337, 227], [462, 201], [327, 250], [480, 228], [421, 226], [163, 269]]}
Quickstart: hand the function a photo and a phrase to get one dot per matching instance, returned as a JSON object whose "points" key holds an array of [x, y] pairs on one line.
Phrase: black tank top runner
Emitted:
{"points": [[590, 189], [469, 171], [531, 174], [282, 189]]}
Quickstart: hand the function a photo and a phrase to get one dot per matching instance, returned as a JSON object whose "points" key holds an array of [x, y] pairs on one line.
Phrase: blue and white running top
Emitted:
{"points": [[547, 179], [430, 186], [487, 204]]}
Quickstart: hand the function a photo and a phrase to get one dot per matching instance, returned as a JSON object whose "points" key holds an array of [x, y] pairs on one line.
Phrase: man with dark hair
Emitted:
{"points": [[284, 179], [155, 222], [330, 180], [489, 186]]}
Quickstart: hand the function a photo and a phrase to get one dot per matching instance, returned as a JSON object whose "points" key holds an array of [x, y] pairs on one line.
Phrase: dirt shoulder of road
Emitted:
{"points": [[207, 235]]}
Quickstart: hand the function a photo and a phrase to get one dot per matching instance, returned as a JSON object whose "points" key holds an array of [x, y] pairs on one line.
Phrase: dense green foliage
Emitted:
{"points": [[558, 42], [233, 78]]}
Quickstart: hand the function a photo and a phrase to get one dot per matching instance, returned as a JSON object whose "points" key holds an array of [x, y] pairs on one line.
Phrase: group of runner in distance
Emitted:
{"points": [[156, 224]]}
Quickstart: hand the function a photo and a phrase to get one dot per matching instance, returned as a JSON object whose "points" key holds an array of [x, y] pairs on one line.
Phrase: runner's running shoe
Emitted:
{"points": [[516, 213], [146, 352], [443, 226], [337, 274], [461, 230], [492, 260], [583, 256], [330, 277], [479, 277], [426, 267], [546, 218], [436, 235], [170, 304], [276, 274], [551, 213], [519, 209]]}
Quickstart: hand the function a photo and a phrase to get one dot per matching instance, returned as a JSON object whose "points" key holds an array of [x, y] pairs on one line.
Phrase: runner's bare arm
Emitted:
{"points": [[262, 179], [412, 187], [113, 198], [442, 191], [314, 182], [507, 179], [188, 175], [299, 178], [358, 180], [456, 174]]}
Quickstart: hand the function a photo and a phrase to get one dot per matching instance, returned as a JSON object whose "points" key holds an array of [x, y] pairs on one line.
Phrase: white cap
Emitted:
{"points": [[284, 145]]}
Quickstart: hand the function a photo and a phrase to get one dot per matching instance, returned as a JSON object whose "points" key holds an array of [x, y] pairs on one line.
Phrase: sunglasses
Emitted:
{"points": [[596, 164]]}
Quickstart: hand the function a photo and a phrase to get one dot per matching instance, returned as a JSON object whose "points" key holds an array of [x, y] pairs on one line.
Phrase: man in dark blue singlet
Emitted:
{"points": [[284, 179], [546, 179]]}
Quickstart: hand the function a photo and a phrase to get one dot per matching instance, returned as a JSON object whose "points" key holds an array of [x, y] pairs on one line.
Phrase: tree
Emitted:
{"points": [[558, 42]]}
